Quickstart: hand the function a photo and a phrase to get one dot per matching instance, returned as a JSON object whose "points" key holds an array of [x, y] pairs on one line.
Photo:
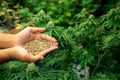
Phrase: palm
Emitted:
{"points": [[23, 55]]}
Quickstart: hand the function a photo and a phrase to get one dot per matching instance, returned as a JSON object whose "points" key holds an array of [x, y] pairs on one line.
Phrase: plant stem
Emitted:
{"points": [[100, 57]]}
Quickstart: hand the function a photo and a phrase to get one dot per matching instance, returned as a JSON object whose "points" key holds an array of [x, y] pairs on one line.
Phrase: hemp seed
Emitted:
{"points": [[36, 46]]}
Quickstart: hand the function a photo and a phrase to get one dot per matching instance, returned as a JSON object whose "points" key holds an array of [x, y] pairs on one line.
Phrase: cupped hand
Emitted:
{"points": [[19, 53], [30, 33]]}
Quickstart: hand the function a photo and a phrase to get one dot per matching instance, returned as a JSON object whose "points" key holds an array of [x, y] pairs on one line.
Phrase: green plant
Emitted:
{"points": [[88, 42], [17, 70]]}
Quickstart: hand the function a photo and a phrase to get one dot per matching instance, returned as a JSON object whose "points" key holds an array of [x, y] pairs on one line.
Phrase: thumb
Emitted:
{"points": [[34, 30]]}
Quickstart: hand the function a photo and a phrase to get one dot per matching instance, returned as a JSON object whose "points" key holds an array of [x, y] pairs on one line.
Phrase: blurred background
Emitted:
{"points": [[88, 33]]}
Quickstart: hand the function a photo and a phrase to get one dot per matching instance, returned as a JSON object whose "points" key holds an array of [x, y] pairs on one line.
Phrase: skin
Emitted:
{"points": [[13, 49]]}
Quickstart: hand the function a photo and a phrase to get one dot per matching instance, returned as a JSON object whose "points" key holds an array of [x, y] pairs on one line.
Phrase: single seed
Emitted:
{"points": [[36, 46]]}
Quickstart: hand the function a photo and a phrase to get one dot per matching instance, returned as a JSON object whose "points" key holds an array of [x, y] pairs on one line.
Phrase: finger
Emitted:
{"points": [[46, 37], [34, 30], [48, 51], [32, 58], [55, 44]]}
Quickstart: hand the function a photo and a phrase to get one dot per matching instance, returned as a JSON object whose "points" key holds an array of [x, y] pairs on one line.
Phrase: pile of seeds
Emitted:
{"points": [[36, 46]]}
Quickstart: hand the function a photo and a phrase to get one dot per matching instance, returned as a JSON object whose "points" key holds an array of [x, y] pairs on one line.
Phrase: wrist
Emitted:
{"points": [[5, 55], [11, 53]]}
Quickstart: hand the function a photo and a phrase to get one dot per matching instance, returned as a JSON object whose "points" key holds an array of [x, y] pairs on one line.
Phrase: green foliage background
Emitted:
{"points": [[88, 33]]}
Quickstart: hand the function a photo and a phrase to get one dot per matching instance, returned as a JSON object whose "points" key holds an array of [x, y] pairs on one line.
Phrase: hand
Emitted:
{"points": [[31, 33], [19, 53]]}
